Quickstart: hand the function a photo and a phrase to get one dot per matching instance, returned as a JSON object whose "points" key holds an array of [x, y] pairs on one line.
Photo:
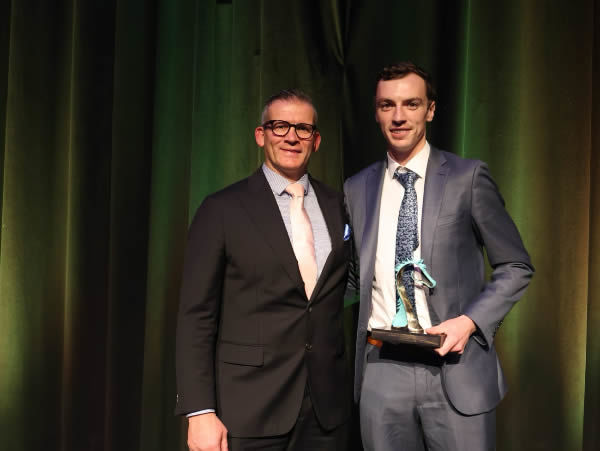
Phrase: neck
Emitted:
{"points": [[402, 158], [290, 176]]}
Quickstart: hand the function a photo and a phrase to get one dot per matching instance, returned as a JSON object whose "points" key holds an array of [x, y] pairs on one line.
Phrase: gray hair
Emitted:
{"points": [[288, 95]]}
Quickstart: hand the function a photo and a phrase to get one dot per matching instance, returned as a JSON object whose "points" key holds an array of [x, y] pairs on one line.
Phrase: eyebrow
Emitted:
{"points": [[404, 101]]}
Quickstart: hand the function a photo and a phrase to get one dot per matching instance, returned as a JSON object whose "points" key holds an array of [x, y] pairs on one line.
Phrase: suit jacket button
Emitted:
{"points": [[309, 309], [308, 346]]}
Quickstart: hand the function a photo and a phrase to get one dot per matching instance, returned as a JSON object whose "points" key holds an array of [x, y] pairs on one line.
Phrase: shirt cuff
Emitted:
{"points": [[200, 412]]}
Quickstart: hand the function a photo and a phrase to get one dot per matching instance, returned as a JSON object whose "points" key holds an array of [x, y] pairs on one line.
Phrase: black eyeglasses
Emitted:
{"points": [[281, 128]]}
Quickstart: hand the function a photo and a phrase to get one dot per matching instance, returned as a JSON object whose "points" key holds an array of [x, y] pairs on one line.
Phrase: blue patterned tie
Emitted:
{"points": [[407, 237]]}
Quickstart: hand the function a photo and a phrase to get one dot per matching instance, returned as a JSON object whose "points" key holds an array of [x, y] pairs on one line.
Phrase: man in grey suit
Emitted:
{"points": [[412, 398]]}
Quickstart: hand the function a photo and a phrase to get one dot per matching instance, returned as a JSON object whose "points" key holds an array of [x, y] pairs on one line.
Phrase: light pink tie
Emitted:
{"points": [[302, 238]]}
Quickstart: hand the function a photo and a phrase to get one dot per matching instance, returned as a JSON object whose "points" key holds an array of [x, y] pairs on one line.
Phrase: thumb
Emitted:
{"points": [[435, 330]]}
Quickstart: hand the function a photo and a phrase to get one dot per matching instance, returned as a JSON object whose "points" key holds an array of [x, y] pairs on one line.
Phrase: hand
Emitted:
{"points": [[457, 330], [206, 433]]}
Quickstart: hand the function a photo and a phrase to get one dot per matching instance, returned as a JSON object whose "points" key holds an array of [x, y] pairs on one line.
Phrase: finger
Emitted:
{"points": [[224, 442], [459, 346], [451, 344], [443, 350]]}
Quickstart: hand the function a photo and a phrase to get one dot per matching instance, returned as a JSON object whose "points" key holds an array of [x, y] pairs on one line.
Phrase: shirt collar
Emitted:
{"points": [[279, 183], [417, 164]]}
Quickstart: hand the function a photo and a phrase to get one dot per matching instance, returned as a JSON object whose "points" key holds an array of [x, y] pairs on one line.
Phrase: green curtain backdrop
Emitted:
{"points": [[118, 117]]}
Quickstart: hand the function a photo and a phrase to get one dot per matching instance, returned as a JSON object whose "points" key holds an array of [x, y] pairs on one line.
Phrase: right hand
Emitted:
{"points": [[206, 433]]}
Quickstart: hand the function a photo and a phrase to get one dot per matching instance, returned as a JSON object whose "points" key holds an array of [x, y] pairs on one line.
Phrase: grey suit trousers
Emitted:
{"points": [[403, 406]]}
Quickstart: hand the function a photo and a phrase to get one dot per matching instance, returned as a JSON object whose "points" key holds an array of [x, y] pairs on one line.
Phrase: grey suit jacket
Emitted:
{"points": [[463, 213]]}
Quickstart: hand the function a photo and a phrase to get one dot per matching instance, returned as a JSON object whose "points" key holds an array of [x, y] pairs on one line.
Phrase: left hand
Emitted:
{"points": [[457, 330]]}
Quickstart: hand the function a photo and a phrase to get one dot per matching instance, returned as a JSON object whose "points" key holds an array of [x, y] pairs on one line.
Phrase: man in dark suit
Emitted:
{"points": [[412, 398], [260, 342]]}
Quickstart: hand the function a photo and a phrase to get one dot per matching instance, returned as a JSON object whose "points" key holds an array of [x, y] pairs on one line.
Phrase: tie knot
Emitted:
{"points": [[295, 189], [407, 178]]}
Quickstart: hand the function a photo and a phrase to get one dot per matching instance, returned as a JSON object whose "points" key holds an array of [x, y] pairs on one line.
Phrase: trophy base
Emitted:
{"points": [[398, 336]]}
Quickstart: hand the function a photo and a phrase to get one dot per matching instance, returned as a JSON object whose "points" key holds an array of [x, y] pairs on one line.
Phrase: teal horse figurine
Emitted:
{"points": [[406, 316]]}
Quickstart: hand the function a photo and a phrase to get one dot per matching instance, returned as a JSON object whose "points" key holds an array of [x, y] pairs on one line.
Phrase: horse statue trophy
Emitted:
{"points": [[405, 325]]}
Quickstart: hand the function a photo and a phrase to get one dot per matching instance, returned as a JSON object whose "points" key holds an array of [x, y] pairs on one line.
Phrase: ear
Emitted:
{"points": [[259, 136], [317, 142], [430, 111]]}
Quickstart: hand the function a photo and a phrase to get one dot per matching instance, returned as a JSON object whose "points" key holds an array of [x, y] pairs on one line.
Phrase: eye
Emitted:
{"points": [[385, 106], [305, 128], [304, 131], [413, 104], [280, 127]]}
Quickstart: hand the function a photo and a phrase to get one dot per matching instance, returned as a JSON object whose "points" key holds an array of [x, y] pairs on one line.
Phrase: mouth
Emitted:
{"points": [[292, 150], [399, 131]]}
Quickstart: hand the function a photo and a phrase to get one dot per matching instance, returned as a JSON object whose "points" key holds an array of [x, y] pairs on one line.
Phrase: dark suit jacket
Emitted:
{"points": [[248, 339], [463, 213]]}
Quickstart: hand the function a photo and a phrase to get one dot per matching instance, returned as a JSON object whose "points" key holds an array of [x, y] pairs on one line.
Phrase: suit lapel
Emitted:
{"points": [[435, 183], [261, 206], [373, 187]]}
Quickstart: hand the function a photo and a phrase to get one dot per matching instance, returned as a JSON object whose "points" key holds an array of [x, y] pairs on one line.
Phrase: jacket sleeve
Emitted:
{"points": [[510, 262], [200, 301]]}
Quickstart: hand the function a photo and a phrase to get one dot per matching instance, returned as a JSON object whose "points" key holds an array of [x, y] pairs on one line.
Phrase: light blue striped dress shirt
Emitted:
{"points": [[278, 185]]}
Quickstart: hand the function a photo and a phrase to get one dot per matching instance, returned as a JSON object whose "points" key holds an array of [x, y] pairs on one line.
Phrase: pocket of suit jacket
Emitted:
{"points": [[249, 355]]}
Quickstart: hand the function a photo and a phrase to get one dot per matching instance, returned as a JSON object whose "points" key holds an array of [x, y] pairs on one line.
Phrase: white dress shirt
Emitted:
{"points": [[383, 306]]}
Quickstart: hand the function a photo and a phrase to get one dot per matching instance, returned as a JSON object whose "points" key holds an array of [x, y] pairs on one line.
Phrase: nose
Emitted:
{"points": [[398, 116], [290, 136]]}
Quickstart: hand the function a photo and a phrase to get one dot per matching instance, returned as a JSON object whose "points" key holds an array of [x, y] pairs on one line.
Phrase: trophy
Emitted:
{"points": [[405, 326]]}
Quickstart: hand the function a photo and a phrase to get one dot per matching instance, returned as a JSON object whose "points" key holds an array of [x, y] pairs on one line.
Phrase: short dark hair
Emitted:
{"points": [[292, 94], [402, 69]]}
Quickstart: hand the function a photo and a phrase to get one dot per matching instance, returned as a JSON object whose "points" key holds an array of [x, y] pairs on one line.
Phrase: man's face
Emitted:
{"points": [[402, 110], [288, 155]]}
